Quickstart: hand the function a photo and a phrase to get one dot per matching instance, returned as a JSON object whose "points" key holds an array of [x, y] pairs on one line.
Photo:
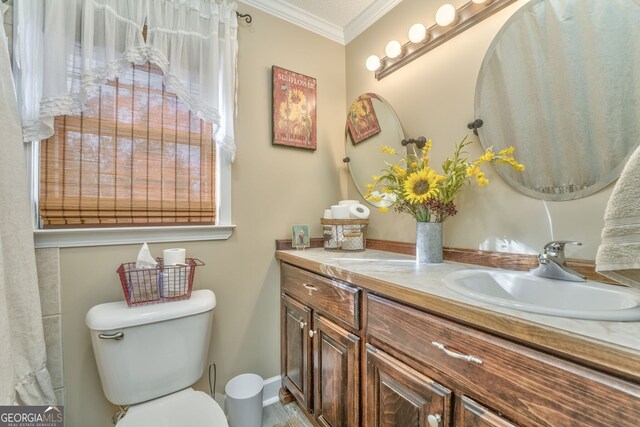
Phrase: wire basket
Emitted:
{"points": [[160, 284], [344, 235]]}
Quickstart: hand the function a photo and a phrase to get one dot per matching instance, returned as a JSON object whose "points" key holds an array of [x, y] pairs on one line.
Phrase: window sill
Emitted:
{"points": [[79, 237]]}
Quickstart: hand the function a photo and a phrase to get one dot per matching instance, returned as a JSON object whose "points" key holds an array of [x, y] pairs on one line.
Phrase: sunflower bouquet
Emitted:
{"points": [[411, 185]]}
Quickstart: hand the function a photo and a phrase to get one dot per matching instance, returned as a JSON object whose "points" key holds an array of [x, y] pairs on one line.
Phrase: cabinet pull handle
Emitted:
{"points": [[311, 333], [434, 420], [467, 357], [302, 324], [310, 288]]}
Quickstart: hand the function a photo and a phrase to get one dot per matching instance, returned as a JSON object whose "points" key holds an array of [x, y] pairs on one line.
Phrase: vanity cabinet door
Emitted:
{"points": [[296, 350], [398, 396], [336, 358], [471, 414]]}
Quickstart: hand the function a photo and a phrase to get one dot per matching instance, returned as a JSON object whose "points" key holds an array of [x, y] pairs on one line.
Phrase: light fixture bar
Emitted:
{"points": [[467, 16]]}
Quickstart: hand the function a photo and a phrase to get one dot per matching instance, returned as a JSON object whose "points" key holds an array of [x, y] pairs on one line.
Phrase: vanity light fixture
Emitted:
{"points": [[393, 49], [373, 63], [449, 23], [417, 33], [446, 15]]}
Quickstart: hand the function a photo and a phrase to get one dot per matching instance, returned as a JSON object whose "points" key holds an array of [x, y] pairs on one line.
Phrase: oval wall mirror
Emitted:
{"points": [[561, 83], [371, 124]]}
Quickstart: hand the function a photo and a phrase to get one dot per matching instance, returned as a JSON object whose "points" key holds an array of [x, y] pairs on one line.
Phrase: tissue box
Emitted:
{"points": [[140, 285]]}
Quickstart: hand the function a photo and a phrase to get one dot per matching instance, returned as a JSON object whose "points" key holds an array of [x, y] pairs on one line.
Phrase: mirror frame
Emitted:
{"points": [[349, 156]]}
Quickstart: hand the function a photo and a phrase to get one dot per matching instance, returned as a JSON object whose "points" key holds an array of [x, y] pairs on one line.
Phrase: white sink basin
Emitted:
{"points": [[526, 292]]}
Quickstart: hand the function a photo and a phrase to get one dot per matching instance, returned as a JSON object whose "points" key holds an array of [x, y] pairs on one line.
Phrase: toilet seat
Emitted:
{"points": [[185, 408]]}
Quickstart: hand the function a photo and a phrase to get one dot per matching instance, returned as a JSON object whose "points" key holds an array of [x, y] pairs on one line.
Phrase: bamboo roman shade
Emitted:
{"points": [[136, 155]]}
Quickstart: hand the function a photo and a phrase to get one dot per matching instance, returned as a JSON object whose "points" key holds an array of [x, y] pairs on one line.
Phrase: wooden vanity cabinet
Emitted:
{"points": [[320, 348], [396, 365], [496, 382], [472, 414], [397, 395]]}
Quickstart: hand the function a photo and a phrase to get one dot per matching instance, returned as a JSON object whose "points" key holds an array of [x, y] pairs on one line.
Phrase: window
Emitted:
{"points": [[136, 156]]}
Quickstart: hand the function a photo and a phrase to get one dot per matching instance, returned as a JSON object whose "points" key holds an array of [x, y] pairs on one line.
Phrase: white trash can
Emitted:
{"points": [[244, 400]]}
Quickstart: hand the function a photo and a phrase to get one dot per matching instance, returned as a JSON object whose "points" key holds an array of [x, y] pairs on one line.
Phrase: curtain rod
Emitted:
{"points": [[247, 18]]}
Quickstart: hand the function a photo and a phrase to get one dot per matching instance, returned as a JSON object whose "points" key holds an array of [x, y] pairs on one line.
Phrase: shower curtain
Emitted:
{"points": [[24, 379]]}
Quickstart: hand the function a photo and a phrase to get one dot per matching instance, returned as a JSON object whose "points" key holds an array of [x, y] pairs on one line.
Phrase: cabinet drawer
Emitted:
{"points": [[328, 296], [534, 388]]}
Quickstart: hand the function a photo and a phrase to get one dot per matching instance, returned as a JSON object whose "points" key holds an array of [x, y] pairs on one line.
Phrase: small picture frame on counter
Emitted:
{"points": [[300, 237]]}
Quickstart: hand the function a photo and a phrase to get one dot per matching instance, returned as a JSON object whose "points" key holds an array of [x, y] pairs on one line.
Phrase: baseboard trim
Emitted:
{"points": [[270, 390]]}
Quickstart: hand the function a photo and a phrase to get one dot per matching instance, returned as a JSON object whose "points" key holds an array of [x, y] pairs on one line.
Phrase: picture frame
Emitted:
{"points": [[294, 120], [362, 121], [300, 238]]}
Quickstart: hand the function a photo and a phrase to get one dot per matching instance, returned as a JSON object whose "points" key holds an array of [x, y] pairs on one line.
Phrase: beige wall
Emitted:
{"points": [[273, 188], [434, 97]]}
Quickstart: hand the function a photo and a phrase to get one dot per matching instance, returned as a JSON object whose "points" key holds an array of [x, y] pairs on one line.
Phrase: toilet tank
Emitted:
{"points": [[149, 351]]}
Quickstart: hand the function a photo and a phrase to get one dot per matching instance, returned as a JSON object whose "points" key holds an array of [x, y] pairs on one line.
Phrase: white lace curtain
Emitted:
{"points": [[65, 49]]}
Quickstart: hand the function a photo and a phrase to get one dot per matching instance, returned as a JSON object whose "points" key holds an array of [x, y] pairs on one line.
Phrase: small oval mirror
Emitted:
{"points": [[371, 124]]}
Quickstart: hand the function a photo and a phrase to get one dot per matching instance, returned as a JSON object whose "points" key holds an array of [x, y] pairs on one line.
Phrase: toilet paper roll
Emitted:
{"points": [[175, 281], [348, 202], [340, 212], [327, 214], [174, 256], [359, 211]]}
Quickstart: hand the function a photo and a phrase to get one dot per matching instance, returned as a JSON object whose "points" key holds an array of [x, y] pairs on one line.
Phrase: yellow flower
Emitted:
{"points": [[375, 199], [511, 162], [486, 157], [427, 147], [473, 170], [422, 185], [400, 172], [414, 165], [481, 180], [371, 186], [383, 209], [507, 151], [388, 150], [375, 178]]}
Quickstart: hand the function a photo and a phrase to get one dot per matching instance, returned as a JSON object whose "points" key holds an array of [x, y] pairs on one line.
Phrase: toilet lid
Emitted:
{"points": [[186, 408]]}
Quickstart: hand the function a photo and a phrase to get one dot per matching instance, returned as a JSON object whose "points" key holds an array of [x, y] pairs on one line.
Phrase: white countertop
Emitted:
{"points": [[402, 270]]}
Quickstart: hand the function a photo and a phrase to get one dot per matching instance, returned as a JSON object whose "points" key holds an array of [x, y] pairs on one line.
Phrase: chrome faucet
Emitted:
{"points": [[553, 265]]}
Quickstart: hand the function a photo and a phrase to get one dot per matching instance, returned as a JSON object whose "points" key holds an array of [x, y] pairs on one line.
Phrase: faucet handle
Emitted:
{"points": [[555, 248]]}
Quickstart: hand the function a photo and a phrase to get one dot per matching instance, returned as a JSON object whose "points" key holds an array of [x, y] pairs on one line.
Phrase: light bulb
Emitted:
{"points": [[479, 1], [373, 63], [445, 15], [417, 33], [393, 49]]}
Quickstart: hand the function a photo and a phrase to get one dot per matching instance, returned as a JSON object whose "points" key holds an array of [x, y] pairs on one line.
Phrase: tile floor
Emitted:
{"points": [[277, 415]]}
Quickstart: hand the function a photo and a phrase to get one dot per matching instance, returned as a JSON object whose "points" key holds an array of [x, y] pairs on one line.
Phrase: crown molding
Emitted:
{"points": [[367, 18], [299, 17], [293, 14]]}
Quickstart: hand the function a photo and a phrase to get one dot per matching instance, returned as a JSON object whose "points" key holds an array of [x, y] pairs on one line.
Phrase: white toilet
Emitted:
{"points": [[149, 356]]}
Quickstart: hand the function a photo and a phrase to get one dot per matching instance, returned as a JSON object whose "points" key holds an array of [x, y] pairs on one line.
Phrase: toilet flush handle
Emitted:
{"points": [[116, 336]]}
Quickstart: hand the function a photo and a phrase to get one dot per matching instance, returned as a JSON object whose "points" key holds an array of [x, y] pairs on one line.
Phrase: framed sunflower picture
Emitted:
{"points": [[362, 122], [294, 109]]}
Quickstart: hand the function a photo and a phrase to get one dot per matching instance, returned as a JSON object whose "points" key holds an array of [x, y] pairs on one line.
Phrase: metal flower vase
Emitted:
{"points": [[429, 242]]}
